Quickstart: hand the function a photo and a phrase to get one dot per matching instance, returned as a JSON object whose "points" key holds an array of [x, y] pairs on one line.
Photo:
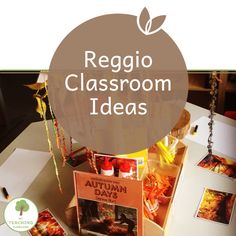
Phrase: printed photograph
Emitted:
{"points": [[47, 225], [127, 166], [106, 219], [77, 157], [216, 206], [219, 165]]}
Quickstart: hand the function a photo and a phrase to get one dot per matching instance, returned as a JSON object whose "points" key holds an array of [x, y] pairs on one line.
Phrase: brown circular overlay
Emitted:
{"points": [[118, 83]]}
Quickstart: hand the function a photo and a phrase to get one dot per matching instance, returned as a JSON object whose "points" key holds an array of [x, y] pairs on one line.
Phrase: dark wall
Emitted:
{"points": [[201, 99], [17, 106], [19, 103]]}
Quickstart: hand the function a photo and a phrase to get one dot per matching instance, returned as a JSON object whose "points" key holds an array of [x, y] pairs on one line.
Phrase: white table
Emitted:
{"points": [[191, 186], [44, 190]]}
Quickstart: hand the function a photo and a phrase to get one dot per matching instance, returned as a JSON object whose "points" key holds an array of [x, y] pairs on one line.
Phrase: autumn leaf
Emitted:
{"points": [[36, 86], [41, 106]]}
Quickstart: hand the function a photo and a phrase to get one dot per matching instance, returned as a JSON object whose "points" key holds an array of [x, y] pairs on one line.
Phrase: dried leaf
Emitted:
{"points": [[157, 23], [144, 18], [36, 86], [41, 106]]}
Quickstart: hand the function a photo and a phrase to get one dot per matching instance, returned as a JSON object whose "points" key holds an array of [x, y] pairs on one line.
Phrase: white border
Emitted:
{"points": [[32, 30]]}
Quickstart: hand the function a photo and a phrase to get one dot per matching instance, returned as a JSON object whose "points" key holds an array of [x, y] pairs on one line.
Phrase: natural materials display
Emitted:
{"points": [[159, 169]]}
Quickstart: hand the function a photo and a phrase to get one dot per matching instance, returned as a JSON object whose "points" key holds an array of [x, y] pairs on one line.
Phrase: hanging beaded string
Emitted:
{"points": [[61, 143], [71, 155], [91, 160], [213, 93], [50, 148], [60, 136], [59, 133], [40, 95], [54, 122], [63, 147]]}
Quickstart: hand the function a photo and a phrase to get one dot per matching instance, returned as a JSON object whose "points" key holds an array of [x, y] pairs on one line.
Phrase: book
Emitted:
{"points": [[106, 206]]}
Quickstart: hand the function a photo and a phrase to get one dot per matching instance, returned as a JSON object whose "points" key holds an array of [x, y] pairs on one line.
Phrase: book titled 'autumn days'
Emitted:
{"points": [[107, 206]]}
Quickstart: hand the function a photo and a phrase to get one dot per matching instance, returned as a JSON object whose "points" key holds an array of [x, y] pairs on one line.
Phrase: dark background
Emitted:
{"points": [[17, 106]]}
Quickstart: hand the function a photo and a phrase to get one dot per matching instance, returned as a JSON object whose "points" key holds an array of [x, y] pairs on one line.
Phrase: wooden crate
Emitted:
{"points": [[164, 212], [150, 228]]}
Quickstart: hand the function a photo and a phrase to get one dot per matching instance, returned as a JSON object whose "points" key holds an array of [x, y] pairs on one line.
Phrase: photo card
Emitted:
{"points": [[216, 206], [106, 219], [219, 165], [47, 225]]}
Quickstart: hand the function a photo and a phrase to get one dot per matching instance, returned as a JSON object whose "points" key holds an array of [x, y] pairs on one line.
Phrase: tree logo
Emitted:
{"points": [[21, 214], [22, 206]]}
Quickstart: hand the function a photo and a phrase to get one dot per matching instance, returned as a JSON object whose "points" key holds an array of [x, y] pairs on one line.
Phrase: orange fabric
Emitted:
{"points": [[230, 114]]}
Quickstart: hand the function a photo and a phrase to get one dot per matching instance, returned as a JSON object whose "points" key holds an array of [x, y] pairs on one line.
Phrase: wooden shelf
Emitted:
{"points": [[194, 87], [231, 87], [226, 86], [199, 89], [199, 82]]}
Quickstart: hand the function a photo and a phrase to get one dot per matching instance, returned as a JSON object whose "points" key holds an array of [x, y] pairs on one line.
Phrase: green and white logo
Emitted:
{"points": [[21, 214]]}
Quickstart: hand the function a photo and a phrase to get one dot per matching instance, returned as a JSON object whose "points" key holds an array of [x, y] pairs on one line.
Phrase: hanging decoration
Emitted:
{"points": [[213, 92], [40, 96]]}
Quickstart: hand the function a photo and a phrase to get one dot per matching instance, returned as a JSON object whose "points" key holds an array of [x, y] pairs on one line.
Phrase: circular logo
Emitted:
{"points": [[118, 83], [21, 214]]}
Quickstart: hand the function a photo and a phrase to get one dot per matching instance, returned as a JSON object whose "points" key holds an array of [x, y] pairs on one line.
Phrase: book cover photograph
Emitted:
{"points": [[105, 205]]}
